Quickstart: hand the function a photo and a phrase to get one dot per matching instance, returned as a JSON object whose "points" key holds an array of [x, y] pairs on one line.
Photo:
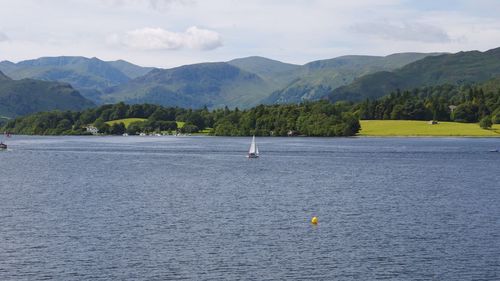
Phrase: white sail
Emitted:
{"points": [[252, 146], [254, 150]]}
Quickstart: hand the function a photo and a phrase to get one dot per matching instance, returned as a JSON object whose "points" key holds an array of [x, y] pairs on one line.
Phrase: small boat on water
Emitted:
{"points": [[3, 146], [494, 150], [253, 152]]}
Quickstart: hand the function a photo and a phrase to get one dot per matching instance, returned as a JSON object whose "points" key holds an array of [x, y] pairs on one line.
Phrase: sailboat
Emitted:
{"points": [[253, 152], [3, 146]]}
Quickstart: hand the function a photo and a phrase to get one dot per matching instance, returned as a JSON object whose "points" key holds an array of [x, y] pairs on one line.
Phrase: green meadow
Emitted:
{"points": [[128, 121], [391, 128]]}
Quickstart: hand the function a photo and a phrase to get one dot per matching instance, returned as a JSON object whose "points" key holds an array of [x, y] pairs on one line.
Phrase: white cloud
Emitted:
{"points": [[161, 39], [202, 39], [294, 31], [404, 31], [3, 37]]}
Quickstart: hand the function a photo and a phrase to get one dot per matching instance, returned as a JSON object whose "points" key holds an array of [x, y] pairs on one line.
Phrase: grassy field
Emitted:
{"points": [[180, 124], [127, 122], [204, 132], [422, 128]]}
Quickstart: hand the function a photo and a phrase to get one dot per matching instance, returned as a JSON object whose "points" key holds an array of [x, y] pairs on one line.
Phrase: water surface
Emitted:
{"points": [[194, 208]]}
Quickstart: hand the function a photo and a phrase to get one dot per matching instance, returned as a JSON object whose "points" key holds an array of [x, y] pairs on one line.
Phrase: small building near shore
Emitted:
{"points": [[92, 129]]}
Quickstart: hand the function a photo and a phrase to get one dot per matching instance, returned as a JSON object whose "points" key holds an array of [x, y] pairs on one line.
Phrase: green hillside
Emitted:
{"points": [[131, 70], [195, 86], [455, 69], [90, 76], [277, 73], [26, 96], [317, 79], [246, 82], [243, 82], [263, 66]]}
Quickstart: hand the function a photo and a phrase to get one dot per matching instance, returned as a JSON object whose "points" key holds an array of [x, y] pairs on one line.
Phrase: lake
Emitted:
{"points": [[194, 208]]}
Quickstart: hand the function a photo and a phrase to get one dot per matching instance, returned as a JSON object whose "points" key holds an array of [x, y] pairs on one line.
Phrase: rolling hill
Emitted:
{"points": [[243, 82], [26, 96], [195, 86], [277, 73], [131, 70], [455, 69], [90, 76], [246, 82], [318, 78]]}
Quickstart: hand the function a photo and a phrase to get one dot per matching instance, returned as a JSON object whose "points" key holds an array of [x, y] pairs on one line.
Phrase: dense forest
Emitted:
{"points": [[311, 119], [444, 103]]}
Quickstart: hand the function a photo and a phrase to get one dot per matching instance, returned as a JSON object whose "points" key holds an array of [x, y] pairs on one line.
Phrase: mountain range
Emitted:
{"points": [[243, 82], [90, 76], [455, 69], [246, 82], [318, 78], [207, 84]]}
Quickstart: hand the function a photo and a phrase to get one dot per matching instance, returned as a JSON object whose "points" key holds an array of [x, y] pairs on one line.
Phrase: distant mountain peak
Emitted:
{"points": [[256, 59], [275, 72]]}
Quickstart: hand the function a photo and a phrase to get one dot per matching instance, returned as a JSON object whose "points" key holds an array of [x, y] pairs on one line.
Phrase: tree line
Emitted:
{"points": [[319, 118], [468, 104]]}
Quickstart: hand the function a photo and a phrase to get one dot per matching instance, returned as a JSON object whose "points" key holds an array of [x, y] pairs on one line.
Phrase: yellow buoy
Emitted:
{"points": [[314, 220]]}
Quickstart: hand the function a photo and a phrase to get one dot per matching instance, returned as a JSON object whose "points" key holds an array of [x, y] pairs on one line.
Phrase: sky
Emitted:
{"points": [[169, 33]]}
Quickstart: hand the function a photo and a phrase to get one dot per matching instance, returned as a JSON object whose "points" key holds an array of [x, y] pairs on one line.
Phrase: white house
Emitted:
{"points": [[91, 129]]}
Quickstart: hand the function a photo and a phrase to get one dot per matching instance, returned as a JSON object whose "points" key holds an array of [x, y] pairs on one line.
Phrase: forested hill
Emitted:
{"points": [[26, 96], [455, 69], [470, 103], [310, 119]]}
